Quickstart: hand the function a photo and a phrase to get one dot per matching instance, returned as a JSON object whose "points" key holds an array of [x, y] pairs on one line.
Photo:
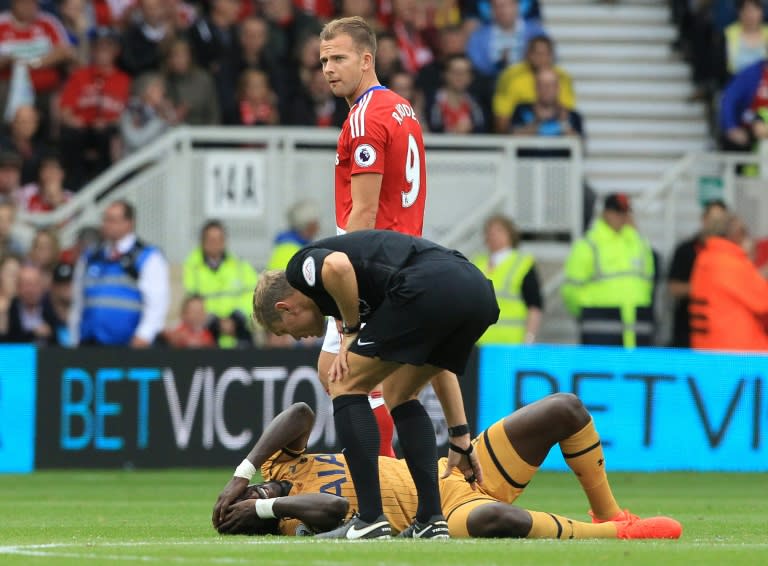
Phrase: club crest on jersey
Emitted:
{"points": [[308, 269], [365, 155]]}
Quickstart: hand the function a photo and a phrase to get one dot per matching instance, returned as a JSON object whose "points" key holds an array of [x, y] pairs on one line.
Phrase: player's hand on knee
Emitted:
{"points": [[231, 491], [461, 455]]}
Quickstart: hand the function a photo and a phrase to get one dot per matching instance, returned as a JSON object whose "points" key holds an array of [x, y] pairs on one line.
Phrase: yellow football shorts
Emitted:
{"points": [[505, 475]]}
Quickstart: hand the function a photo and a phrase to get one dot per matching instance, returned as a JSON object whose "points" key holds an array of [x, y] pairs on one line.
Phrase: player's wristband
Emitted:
{"points": [[351, 329], [264, 508], [458, 430], [459, 450], [245, 470]]}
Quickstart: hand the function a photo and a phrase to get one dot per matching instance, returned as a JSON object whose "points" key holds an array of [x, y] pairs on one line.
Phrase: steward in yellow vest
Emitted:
{"points": [[225, 282], [610, 279], [516, 284]]}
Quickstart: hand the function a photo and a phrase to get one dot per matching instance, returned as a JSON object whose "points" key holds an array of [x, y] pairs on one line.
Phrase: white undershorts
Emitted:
{"points": [[332, 345]]}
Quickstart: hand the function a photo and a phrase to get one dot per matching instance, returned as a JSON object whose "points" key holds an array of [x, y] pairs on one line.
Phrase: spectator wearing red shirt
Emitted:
{"points": [[192, 331], [258, 102], [48, 193], [453, 109], [91, 103], [37, 39], [253, 53], [415, 35]]}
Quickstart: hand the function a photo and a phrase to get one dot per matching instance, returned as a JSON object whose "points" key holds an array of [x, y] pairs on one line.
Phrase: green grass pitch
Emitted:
{"points": [[109, 517]]}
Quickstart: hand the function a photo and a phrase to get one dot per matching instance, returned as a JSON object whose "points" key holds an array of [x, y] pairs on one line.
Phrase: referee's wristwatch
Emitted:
{"points": [[346, 329], [458, 430]]}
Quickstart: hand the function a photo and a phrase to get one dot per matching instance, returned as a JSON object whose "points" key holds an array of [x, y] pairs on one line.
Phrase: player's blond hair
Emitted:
{"points": [[272, 288], [355, 27]]}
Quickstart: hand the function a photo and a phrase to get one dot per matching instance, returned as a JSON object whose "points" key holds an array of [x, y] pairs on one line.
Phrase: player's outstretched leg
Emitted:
{"points": [[562, 419], [497, 520]]}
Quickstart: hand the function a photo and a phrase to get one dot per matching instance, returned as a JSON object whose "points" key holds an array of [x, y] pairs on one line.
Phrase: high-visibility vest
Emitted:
{"points": [[507, 278], [609, 284], [282, 254], [227, 289], [112, 301], [733, 34]]}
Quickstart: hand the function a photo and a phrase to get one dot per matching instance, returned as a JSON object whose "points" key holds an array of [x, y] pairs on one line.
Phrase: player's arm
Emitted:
{"points": [[366, 188], [289, 430], [319, 511], [448, 391], [340, 281]]}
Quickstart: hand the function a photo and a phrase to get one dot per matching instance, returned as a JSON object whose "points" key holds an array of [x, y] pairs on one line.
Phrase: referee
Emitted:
{"points": [[424, 307]]}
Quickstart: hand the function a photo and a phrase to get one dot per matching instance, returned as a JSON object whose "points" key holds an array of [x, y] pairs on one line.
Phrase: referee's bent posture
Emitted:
{"points": [[407, 308]]}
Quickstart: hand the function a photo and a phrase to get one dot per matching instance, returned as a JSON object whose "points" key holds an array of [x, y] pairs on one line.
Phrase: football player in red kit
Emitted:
{"points": [[380, 183], [381, 179]]}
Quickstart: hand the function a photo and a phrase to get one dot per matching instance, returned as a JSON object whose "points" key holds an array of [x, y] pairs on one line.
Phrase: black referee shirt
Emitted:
{"points": [[376, 256]]}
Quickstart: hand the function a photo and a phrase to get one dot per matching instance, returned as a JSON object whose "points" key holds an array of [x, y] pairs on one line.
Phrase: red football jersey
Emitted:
{"points": [[382, 135], [30, 42], [94, 95]]}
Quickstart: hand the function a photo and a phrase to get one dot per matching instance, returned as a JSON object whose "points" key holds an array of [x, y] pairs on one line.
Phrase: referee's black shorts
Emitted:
{"points": [[433, 313]]}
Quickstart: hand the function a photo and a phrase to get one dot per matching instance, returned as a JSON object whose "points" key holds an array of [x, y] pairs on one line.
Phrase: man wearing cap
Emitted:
{"points": [[91, 104], [609, 280]]}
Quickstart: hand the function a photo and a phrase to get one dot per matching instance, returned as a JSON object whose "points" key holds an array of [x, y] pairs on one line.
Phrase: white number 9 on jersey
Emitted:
{"points": [[412, 172]]}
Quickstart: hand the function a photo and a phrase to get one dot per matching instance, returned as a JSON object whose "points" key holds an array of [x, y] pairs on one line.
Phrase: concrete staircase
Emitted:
{"points": [[630, 88], [633, 94]]}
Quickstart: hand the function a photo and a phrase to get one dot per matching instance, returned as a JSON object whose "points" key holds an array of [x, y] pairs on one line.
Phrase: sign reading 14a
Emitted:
{"points": [[234, 184]]}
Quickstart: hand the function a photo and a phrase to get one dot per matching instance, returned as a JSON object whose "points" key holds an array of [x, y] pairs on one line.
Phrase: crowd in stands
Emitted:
{"points": [[85, 82], [89, 81], [726, 44]]}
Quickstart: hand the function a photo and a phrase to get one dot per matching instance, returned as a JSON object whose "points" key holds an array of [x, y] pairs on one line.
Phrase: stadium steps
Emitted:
{"points": [[632, 91]]}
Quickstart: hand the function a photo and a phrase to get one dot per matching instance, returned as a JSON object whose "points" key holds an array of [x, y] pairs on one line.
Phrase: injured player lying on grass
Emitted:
{"points": [[305, 494]]}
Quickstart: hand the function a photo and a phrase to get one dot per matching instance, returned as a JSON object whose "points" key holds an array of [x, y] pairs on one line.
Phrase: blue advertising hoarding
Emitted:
{"points": [[655, 409], [17, 408]]}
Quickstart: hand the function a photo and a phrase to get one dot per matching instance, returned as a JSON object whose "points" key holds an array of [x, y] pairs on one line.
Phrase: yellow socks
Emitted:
{"points": [[584, 455], [548, 525]]}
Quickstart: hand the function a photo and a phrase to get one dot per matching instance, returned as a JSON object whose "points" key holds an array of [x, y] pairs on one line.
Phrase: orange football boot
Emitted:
{"points": [[652, 527]]}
